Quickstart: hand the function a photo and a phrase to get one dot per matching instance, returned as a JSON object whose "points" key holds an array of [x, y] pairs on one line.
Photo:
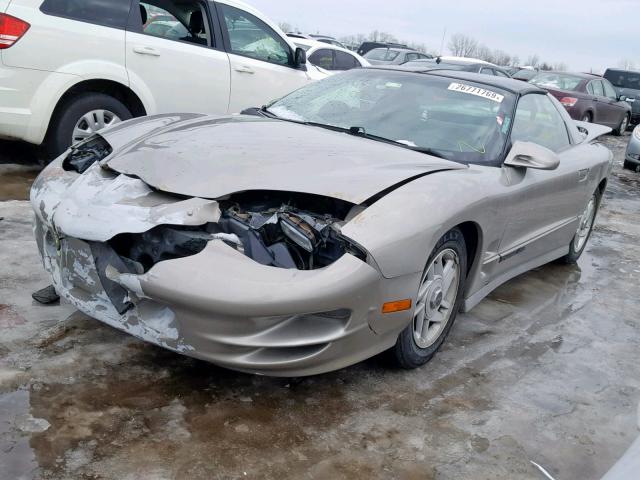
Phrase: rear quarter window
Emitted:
{"points": [[111, 13]]}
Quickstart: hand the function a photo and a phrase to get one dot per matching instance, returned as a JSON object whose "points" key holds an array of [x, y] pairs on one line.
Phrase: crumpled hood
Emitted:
{"points": [[211, 157]]}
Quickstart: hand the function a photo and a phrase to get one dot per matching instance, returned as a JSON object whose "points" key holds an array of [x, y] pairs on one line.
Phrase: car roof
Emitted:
{"points": [[396, 49], [504, 83], [584, 76]]}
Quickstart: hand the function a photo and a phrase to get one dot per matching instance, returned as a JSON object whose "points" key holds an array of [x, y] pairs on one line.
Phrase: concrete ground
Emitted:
{"points": [[546, 369]]}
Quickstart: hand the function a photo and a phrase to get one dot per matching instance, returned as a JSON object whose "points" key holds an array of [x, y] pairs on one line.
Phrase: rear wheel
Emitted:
{"points": [[630, 166], [585, 227], [624, 124], [82, 116], [438, 301], [587, 117]]}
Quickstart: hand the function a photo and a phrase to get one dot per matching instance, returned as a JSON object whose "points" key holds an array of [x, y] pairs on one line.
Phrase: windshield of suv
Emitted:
{"points": [[455, 119], [629, 80], [561, 81], [383, 54]]}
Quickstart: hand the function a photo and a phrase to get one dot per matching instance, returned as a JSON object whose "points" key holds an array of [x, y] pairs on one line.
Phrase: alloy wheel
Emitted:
{"points": [[436, 298], [586, 222], [92, 122]]}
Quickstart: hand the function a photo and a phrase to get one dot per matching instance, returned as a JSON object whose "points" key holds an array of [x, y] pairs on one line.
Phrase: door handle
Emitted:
{"points": [[142, 50], [245, 69]]}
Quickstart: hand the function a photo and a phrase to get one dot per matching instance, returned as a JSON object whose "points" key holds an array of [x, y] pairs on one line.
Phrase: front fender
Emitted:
{"points": [[401, 229]]}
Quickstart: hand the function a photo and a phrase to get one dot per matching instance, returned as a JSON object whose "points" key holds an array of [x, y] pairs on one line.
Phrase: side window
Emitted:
{"points": [[500, 73], [113, 13], [345, 61], [185, 21], [251, 37], [598, 89], [487, 71], [537, 120], [411, 56], [590, 88], [609, 91], [323, 58]]}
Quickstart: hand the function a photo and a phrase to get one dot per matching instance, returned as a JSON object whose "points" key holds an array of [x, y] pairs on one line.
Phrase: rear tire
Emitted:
{"points": [[415, 345], [622, 128], [62, 127], [587, 118], [630, 166], [585, 228]]}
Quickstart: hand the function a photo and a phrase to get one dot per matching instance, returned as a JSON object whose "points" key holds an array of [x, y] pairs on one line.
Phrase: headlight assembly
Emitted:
{"points": [[86, 153]]}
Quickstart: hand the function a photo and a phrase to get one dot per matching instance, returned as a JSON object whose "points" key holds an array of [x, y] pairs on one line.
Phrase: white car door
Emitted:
{"points": [[262, 63], [176, 59]]}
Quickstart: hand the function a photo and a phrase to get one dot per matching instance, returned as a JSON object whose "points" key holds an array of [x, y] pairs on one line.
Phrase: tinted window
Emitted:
{"points": [[624, 79], [111, 13], [597, 88], [538, 121], [609, 91], [251, 37], [185, 21], [345, 61], [465, 122], [323, 58]]}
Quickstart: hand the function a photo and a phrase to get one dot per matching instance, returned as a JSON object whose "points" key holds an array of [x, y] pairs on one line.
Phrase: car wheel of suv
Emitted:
{"points": [[437, 304], [585, 227], [624, 124], [81, 117]]}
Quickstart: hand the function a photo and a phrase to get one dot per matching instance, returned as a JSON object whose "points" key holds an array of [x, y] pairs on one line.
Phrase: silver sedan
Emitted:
{"points": [[632, 157], [354, 216]]}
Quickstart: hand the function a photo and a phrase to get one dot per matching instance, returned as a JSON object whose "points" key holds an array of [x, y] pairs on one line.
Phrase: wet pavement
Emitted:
{"points": [[545, 369]]}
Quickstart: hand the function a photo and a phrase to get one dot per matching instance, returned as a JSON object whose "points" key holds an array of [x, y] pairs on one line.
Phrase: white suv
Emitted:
{"points": [[71, 67]]}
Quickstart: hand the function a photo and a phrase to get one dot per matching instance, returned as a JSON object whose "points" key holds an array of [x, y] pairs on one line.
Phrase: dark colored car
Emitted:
{"points": [[524, 74], [627, 84], [458, 65], [367, 46], [588, 98]]}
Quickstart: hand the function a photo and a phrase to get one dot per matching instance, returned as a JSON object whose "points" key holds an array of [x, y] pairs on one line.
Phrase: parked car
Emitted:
{"points": [[632, 157], [393, 56], [524, 74], [329, 57], [627, 84], [588, 98], [327, 39], [367, 46], [280, 243], [460, 64], [68, 71]]}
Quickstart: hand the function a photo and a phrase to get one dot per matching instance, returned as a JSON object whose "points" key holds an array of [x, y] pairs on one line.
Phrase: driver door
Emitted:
{"points": [[261, 60], [543, 205]]}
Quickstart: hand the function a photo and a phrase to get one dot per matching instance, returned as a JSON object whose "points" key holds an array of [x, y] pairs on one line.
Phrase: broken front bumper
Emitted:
{"points": [[218, 305]]}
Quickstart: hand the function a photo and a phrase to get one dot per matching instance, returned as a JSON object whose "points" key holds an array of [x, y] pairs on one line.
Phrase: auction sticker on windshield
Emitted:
{"points": [[477, 91]]}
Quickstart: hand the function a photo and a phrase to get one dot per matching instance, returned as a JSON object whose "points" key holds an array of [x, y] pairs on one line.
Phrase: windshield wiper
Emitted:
{"points": [[356, 132]]}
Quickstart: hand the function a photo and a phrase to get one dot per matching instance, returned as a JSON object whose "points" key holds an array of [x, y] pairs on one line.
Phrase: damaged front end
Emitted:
{"points": [[277, 229]]}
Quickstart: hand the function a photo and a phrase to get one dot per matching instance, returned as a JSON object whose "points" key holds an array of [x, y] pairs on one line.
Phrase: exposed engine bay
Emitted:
{"points": [[283, 230]]}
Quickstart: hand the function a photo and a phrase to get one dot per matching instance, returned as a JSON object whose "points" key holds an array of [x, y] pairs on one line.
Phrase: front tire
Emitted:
{"points": [[440, 295], [622, 128], [585, 228], [80, 117]]}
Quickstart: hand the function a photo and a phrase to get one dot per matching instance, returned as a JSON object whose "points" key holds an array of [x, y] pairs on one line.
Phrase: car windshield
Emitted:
{"points": [[561, 81], [383, 54], [629, 80], [456, 119]]}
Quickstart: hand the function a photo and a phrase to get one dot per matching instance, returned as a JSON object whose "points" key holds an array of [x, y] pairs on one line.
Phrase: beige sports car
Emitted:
{"points": [[354, 216]]}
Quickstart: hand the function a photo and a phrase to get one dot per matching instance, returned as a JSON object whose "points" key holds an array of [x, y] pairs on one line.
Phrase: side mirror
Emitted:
{"points": [[531, 155], [300, 57]]}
